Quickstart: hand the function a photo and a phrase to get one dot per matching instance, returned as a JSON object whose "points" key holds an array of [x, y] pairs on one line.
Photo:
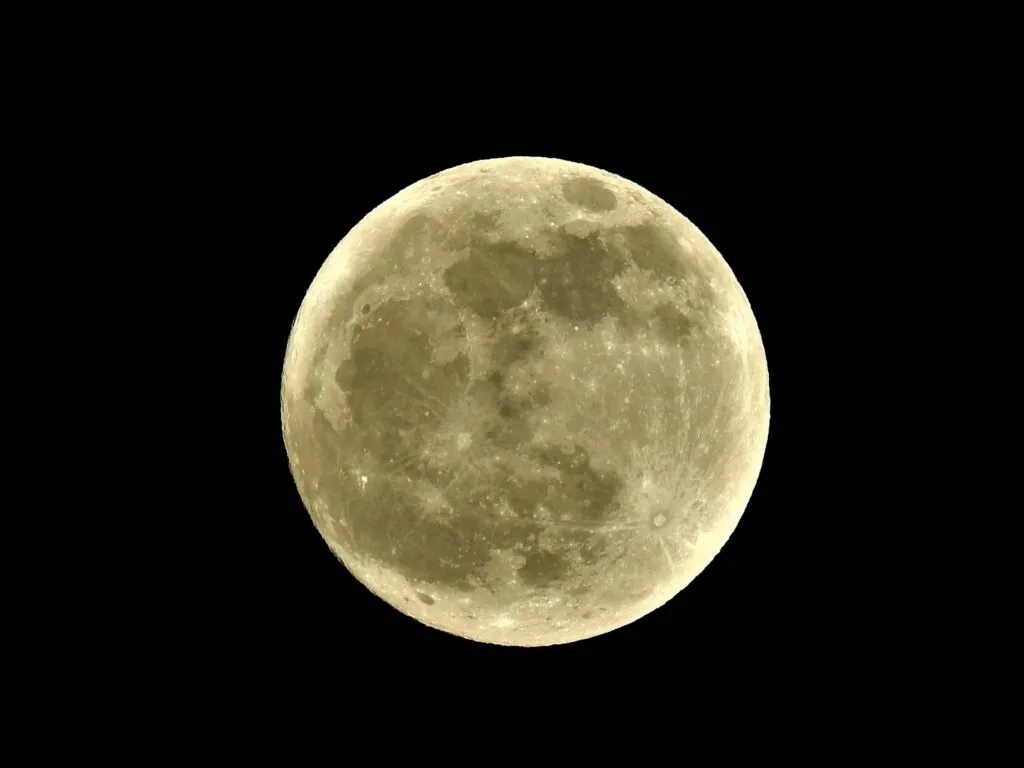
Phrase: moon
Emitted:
{"points": [[525, 401]]}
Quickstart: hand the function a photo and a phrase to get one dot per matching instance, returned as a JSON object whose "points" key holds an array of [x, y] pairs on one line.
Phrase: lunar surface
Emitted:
{"points": [[525, 401]]}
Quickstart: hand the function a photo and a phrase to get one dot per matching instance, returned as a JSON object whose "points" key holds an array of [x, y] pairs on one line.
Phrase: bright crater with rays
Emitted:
{"points": [[525, 401]]}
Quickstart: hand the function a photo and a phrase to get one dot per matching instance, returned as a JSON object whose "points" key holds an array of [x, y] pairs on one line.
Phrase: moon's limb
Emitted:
{"points": [[525, 401]]}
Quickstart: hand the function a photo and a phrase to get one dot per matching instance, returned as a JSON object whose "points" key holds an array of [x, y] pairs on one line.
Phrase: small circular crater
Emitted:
{"points": [[659, 520], [425, 598], [366, 309]]}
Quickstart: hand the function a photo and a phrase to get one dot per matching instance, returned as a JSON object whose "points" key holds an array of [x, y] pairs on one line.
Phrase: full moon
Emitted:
{"points": [[525, 401]]}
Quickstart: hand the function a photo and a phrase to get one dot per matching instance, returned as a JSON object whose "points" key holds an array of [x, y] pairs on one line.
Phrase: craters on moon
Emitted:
{"points": [[493, 399]]}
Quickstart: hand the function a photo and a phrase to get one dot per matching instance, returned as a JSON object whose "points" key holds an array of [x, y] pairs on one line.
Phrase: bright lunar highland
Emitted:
{"points": [[525, 401]]}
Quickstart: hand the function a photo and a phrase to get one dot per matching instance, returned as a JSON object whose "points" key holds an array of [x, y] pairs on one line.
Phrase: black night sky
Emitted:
{"points": [[776, 638]]}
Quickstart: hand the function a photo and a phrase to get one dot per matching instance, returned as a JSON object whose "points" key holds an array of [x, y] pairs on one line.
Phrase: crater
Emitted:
{"points": [[588, 193], [425, 598]]}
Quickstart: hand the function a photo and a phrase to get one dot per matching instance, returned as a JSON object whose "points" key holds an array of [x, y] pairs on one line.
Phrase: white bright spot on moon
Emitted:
{"points": [[525, 401]]}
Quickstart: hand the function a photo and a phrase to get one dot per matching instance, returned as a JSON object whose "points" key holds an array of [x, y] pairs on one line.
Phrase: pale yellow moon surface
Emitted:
{"points": [[525, 401]]}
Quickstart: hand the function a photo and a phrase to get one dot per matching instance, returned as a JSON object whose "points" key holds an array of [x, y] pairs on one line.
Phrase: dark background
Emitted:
{"points": [[778, 641]]}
